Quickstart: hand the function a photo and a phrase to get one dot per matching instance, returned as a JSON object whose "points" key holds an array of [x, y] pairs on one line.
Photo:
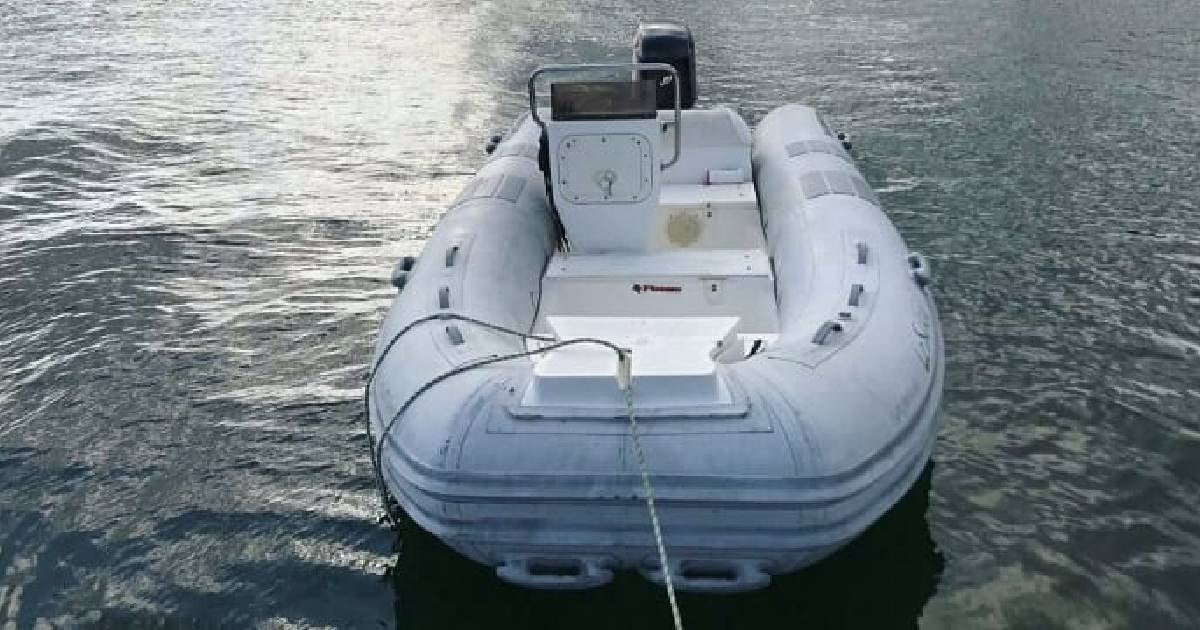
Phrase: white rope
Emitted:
{"points": [[648, 488]]}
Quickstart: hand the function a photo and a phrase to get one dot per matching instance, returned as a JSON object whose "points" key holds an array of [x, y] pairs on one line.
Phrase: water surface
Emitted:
{"points": [[200, 203]]}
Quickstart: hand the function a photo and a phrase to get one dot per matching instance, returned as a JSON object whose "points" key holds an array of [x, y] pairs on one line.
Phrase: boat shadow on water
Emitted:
{"points": [[881, 580]]}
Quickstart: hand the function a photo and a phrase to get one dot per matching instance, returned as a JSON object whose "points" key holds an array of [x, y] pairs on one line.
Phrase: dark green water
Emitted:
{"points": [[200, 203]]}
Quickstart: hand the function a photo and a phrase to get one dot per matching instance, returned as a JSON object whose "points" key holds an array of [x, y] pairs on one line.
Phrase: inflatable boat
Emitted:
{"points": [[639, 303]]}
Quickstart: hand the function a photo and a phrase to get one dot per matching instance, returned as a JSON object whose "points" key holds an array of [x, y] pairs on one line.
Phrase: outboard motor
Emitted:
{"points": [[665, 42]]}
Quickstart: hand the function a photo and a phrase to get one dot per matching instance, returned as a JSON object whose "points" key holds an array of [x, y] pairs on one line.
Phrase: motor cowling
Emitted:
{"points": [[666, 42]]}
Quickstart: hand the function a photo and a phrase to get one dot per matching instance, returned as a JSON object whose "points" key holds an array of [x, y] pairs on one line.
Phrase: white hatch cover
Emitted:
{"points": [[605, 168], [673, 362]]}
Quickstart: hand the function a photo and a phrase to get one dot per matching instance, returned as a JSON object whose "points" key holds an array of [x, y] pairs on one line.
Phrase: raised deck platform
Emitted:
{"points": [[676, 283]]}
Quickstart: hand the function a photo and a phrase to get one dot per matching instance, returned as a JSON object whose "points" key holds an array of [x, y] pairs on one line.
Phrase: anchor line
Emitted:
{"points": [[623, 363], [648, 489]]}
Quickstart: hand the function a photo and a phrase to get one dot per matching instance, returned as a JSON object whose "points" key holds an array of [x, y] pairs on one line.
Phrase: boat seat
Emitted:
{"points": [[676, 283], [715, 147], [716, 216], [707, 198]]}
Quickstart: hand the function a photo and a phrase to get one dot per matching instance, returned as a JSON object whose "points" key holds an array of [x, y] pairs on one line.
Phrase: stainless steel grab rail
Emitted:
{"points": [[587, 67]]}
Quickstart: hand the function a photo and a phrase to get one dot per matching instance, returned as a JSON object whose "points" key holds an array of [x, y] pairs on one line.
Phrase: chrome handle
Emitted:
{"points": [[587, 67]]}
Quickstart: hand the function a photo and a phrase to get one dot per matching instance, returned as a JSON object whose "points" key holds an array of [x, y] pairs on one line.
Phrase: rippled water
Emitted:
{"points": [[200, 203]]}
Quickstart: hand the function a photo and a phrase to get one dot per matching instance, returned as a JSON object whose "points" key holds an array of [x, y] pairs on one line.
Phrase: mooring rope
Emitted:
{"points": [[624, 380], [648, 488]]}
